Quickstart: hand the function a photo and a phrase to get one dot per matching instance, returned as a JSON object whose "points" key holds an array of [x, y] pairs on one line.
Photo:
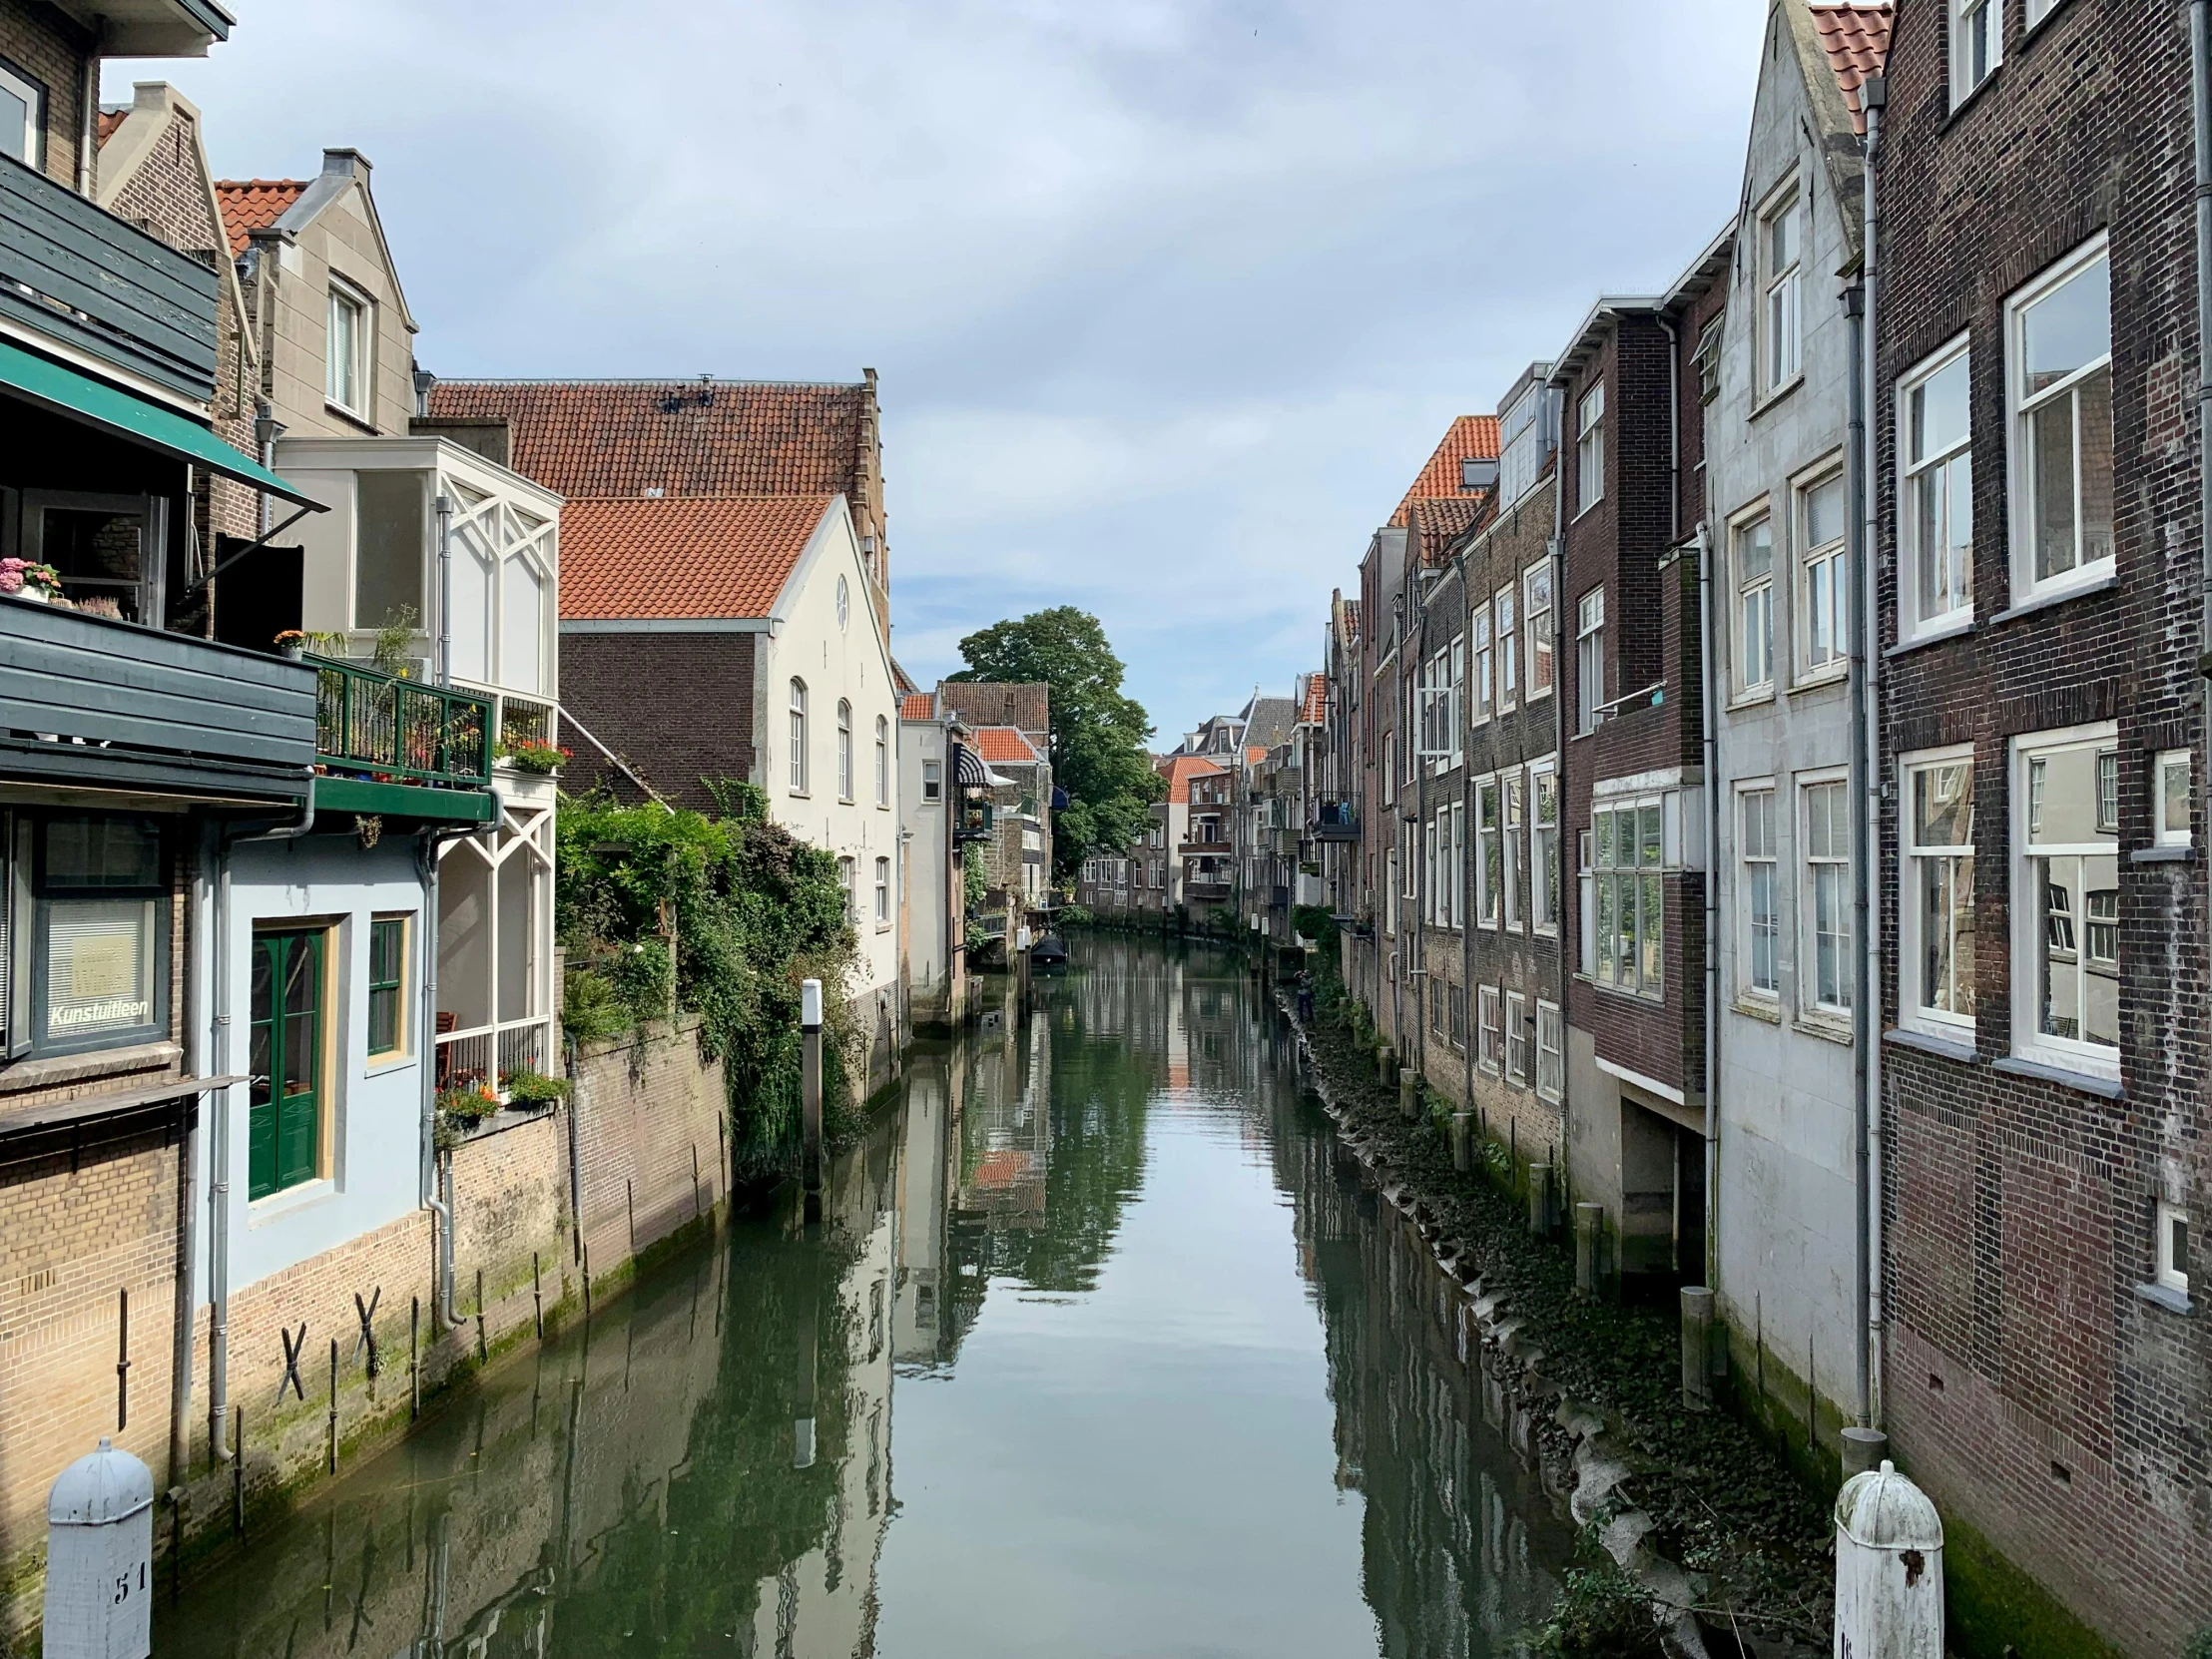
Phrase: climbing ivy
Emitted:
{"points": [[753, 912]]}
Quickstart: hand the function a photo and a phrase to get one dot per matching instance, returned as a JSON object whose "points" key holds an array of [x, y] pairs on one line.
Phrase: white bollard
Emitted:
{"points": [[100, 1559], [1888, 1570]]}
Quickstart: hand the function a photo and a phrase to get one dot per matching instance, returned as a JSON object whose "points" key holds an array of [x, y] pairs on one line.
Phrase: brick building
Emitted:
{"points": [[2048, 1371], [1631, 491]]}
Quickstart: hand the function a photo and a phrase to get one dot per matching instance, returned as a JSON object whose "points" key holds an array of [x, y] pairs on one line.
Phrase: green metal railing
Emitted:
{"points": [[400, 731]]}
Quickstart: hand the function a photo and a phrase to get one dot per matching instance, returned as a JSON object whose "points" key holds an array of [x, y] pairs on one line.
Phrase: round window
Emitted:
{"points": [[844, 602]]}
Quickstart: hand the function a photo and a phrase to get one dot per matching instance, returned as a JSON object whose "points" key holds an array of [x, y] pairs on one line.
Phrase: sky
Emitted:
{"points": [[1170, 299]]}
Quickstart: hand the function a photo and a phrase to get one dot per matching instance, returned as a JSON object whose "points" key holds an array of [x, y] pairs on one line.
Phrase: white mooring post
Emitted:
{"points": [[1888, 1570], [809, 1026], [100, 1559]]}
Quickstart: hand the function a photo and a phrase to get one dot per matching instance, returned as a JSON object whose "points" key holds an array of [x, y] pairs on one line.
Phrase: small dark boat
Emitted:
{"points": [[1048, 955]]}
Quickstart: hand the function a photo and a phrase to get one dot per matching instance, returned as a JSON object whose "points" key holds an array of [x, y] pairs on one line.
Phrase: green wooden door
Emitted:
{"points": [[285, 1117]]}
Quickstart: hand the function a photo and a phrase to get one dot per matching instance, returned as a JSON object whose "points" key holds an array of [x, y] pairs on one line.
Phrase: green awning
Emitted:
{"points": [[76, 396]]}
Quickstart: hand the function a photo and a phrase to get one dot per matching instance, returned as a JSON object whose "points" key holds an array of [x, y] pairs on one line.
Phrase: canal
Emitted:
{"points": [[1103, 1348]]}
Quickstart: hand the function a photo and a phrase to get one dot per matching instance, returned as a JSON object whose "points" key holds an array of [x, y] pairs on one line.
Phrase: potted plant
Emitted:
{"points": [[291, 644], [534, 754], [38, 583]]}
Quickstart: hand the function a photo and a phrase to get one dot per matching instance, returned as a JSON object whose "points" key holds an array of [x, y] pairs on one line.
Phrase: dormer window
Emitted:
{"points": [[347, 352], [22, 116]]}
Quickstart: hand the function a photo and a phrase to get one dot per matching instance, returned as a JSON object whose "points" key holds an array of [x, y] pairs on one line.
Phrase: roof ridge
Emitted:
{"points": [[634, 381]]}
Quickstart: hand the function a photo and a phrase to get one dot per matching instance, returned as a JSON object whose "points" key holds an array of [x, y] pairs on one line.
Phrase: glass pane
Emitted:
{"points": [[390, 509], [383, 1020], [2093, 400], [15, 126], [1824, 513], [1959, 505], [1651, 927], [1755, 551], [102, 852], [1938, 410], [2068, 329], [99, 966], [1606, 924], [98, 553], [2051, 487], [1650, 857], [1943, 804], [1604, 857], [473, 567], [2173, 796]]}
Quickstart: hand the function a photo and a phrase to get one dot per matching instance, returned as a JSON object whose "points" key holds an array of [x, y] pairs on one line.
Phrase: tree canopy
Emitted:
{"points": [[1098, 732]]}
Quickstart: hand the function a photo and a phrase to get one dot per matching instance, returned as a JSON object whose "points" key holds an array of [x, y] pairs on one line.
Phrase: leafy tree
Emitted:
{"points": [[1098, 732]]}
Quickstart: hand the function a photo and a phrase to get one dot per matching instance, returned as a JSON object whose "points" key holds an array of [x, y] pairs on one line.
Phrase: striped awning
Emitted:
{"points": [[970, 770]]}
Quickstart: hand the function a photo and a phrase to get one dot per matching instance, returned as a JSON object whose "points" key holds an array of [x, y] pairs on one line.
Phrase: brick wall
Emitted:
{"points": [[2036, 1394], [672, 741], [650, 1125], [46, 46]]}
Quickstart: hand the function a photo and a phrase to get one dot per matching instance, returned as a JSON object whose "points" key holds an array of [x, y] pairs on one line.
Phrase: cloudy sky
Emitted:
{"points": [[1170, 300]]}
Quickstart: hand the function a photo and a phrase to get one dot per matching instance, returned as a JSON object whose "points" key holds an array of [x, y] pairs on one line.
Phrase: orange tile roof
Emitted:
{"points": [[1858, 40], [1023, 704], [1352, 617], [1003, 743], [720, 556], [684, 437], [918, 705], [251, 205], [1253, 756], [1317, 701], [1444, 519], [110, 120], [1470, 437], [1182, 769]]}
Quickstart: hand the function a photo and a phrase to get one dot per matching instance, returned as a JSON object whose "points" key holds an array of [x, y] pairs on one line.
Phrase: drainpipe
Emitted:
{"points": [[1860, 304], [435, 1172], [2200, 100], [1707, 691], [1562, 667], [446, 589]]}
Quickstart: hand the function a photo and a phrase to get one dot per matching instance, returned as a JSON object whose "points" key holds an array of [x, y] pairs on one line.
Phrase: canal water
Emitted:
{"points": [[1102, 1350]]}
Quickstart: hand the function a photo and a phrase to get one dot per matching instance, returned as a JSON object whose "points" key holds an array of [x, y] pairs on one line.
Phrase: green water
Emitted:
{"points": [[1102, 1350]]}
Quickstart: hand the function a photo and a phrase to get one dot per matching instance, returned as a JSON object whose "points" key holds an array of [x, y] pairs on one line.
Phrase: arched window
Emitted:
{"points": [[845, 750], [883, 762], [799, 737]]}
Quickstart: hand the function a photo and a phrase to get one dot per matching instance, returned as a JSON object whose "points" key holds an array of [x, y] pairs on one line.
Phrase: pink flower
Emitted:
{"points": [[11, 574]]}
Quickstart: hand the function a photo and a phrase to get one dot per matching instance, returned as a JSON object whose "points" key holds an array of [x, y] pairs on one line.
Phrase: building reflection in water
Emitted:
{"points": [[709, 1466]]}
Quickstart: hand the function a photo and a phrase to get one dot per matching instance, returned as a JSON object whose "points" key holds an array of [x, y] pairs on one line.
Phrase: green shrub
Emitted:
{"points": [[525, 1087]]}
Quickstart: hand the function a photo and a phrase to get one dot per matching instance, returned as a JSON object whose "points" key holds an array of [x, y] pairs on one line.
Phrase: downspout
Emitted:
{"points": [[88, 110], [1867, 761], [1711, 723], [2200, 100], [188, 1228], [445, 590], [1463, 910], [219, 1135], [1561, 668]]}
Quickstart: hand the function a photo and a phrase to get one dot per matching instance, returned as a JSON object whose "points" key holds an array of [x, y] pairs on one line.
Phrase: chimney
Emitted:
{"points": [[350, 164]]}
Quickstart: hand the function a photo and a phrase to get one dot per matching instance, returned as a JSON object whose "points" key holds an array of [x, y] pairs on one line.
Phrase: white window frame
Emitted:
{"points": [[1937, 469], [1490, 1044], [1455, 713], [1589, 658], [1517, 1039], [1912, 912], [1458, 864], [1512, 825], [34, 116], [1758, 795], [1551, 1059], [845, 750], [1589, 450], [883, 893], [1437, 830], [1488, 806], [1822, 573], [1543, 850], [883, 762], [2163, 767], [2171, 1268], [1482, 654], [2020, 410], [932, 783], [1508, 651], [798, 736], [1963, 15], [1752, 594], [1812, 1006], [1637, 875], [345, 295], [1537, 598], [1781, 324], [2030, 910], [2037, 10]]}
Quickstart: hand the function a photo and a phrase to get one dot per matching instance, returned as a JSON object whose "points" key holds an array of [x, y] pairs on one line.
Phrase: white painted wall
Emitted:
{"points": [[928, 852]]}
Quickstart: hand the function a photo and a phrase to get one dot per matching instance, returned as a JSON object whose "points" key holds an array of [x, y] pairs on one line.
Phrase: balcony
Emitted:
{"points": [[1208, 892], [388, 745], [1336, 821], [100, 289], [1207, 849]]}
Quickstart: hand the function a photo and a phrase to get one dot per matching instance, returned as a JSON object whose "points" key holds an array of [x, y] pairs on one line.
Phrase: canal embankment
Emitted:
{"points": [[1684, 1512]]}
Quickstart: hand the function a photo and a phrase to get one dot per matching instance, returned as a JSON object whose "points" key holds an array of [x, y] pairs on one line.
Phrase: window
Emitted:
{"points": [[1629, 902], [1508, 651], [1589, 450], [1484, 662], [22, 117], [932, 781], [98, 545], [1589, 660], [1936, 524], [92, 969], [845, 750], [1823, 619], [1537, 602], [1458, 998], [2066, 904], [1509, 879], [799, 737], [883, 893], [1455, 702], [1977, 45], [1753, 557], [347, 353], [1781, 313], [1439, 993], [2170, 809], [2171, 1267], [1543, 885], [1826, 830], [388, 985], [1517, 1039], [1761, 968], [883, 762], [1524, 439], [285, 1088], [2037, 10], [1488, 1055], [1390, 769], [1940, 922], [1490, 868], [847, 879], [1458, 864], [1551, 1069], [845, 604], [2060, 377], [1438, 829]]}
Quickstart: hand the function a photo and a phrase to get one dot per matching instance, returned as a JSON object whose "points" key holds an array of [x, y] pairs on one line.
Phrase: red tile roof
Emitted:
{"points": [[1253, 756], [1003, 743], [251, 205], [110, 120], [684, 437], [1025, 705], [1182, 769], [1317, 701], [1352, 617], [1444, 519], [722, 557], [1858, 40], [1470, 437], [918, 705]]}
